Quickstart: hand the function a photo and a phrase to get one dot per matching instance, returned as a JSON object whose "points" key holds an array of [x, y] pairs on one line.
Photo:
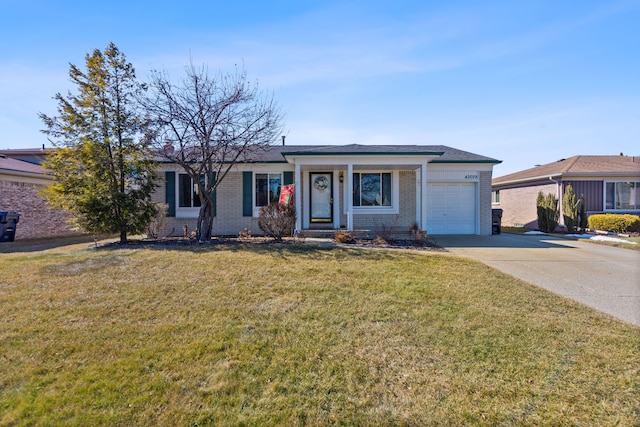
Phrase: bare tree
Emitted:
{"points": [[207, 124]]}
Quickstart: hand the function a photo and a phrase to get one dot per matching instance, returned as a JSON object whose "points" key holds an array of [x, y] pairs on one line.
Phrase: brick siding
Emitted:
{"points": [[519, 204], [36, 218]]}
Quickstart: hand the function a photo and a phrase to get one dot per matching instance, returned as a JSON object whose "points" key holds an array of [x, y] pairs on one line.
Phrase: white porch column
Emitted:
{"points": [[298, 198], [423, 196], [349, 197]]}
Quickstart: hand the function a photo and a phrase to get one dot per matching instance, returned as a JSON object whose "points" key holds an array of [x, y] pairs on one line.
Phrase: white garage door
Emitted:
{"points": [[451, 208]]}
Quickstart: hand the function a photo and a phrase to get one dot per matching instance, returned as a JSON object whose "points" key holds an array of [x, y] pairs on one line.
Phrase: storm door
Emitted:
{"points": [[321, 199]]}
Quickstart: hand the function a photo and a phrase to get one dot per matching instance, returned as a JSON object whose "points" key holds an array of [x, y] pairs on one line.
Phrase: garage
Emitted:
{"points": [[451, 208]]}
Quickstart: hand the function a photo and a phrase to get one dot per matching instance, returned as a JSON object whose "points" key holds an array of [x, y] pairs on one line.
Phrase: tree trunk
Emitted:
{"points": [[123, 237], [205, 220]]}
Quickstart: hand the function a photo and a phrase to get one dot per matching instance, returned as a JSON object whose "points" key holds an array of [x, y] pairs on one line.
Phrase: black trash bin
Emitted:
{"points": [[496, 221], [8, 221]]}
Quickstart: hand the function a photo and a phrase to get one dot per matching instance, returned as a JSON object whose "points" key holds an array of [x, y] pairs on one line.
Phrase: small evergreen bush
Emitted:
{"points": [[547, 208], [570, 209], [582, 215], [617, 223]]}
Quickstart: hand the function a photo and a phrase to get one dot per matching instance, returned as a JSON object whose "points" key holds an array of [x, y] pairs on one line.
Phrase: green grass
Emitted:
{"points": [[292, 334]]}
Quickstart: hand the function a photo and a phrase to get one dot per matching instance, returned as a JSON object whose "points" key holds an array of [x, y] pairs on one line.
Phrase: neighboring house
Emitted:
{"points": [[352, 187], [20, 184], [609, 184]]}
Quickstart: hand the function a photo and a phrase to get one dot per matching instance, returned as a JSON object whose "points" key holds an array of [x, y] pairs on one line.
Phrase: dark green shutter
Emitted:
{"points": [[287, 178], [247, 197], [170, 192]]}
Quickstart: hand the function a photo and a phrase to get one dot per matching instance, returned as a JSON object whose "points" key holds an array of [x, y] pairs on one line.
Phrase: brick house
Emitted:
{"points": [[20, 184], [610, 184], [353, 187]]}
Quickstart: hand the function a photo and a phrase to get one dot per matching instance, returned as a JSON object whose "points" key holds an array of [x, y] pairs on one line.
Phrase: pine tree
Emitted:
{"points": [[102, 170], [582, 214], [551, 212], [540, 209], [570, 209]]}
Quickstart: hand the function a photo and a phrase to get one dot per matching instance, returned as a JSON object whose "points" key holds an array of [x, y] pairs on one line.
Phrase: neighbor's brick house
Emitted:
{"points": [[609, 184], [20, 184]]}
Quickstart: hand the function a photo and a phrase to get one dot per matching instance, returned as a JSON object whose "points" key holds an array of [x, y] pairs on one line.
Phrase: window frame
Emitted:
{"points": [[254, 189], [495, 197], [185, 211], [393, 208], [634, 195]]}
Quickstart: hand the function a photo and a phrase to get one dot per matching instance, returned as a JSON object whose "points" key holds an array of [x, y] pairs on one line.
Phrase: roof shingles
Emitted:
{"points": [[577, 165]]}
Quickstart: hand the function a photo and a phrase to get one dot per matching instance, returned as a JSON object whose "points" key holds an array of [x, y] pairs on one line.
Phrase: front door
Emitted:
{"points": [[321, 199]]}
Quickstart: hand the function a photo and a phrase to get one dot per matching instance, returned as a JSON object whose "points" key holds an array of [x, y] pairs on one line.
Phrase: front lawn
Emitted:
{"points": [[245, 334]]}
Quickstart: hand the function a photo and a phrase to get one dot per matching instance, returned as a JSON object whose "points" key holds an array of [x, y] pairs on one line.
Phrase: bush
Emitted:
{"points": [[547, 208], [570, 209], [343, 236], [277, 220], [582, 214], [158, 222], [617, 223]]}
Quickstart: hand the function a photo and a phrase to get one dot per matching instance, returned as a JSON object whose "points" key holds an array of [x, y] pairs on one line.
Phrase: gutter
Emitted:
{"points": [[533, 178]]}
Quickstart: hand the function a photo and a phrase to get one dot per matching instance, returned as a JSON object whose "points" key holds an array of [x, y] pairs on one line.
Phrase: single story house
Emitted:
{"points": [[351, 187], [609, 184], [20, 184]]}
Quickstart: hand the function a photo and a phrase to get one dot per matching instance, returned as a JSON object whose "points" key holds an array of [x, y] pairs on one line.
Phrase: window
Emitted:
{"points": [[372, 189], [267, 188], [187, 195], [622, 195], [495, 197]]}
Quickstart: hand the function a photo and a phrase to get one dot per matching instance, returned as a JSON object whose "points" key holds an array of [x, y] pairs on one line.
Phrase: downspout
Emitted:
{"points": [[559, 196]]}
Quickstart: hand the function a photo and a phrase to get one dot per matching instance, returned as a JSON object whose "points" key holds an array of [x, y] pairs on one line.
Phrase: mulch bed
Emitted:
{"points": [[424, 245]]}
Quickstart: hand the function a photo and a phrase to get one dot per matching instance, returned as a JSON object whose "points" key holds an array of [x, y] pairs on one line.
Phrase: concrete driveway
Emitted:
{"points": [[603, 277]]}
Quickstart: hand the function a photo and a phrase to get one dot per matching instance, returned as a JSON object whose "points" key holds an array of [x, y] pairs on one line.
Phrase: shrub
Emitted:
{"points": [[345, 236], [617, 223], [277, 220], [158, 221], [547, 208], [570, 209], [582, 214]]}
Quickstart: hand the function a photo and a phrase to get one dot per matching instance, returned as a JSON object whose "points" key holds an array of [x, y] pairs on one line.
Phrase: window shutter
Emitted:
{"points": [[287, 178], [247, 197], [170, 192]]}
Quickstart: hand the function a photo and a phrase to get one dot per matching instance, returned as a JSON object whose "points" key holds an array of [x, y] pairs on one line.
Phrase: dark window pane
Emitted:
{"points": [[262, 189], [370, 189], [184, 191], [610, 197], [386, 189], [274, 187], [356, 189]]}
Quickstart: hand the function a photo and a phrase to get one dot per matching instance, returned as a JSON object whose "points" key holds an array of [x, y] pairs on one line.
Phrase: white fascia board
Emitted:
{"points": [[370, 159]]}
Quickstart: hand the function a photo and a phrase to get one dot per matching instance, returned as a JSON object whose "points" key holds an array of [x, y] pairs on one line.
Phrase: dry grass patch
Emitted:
{"points": [[286, 334]]}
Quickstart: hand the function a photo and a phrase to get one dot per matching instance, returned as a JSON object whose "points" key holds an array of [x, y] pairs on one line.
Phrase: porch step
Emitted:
{"points": [[330, 233], [318, 233]]}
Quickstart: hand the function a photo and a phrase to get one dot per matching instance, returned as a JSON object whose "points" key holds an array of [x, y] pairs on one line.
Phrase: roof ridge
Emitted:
{"points": [[572, 161]]}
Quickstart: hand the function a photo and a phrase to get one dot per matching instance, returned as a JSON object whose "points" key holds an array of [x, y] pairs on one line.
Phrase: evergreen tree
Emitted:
{"points": [[102, 170], [540, 209], [570, 209], [551, 212], [582, 214]]}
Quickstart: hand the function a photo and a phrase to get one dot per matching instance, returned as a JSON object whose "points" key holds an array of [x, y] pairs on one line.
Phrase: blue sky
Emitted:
{"points": [[525, 82]]}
